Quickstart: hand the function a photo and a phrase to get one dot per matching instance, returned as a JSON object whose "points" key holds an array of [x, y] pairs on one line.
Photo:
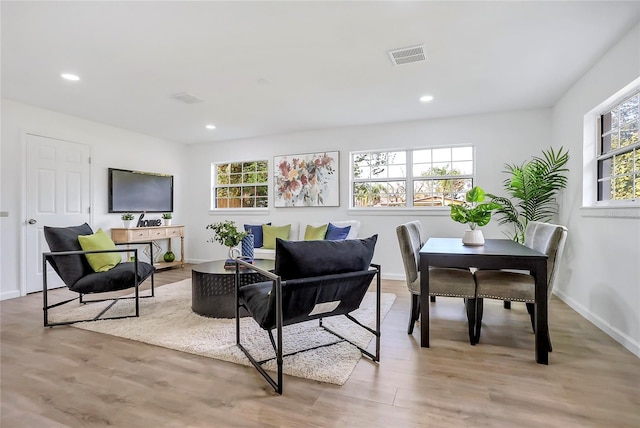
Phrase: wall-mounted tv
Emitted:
{"points": [[136, 191]]}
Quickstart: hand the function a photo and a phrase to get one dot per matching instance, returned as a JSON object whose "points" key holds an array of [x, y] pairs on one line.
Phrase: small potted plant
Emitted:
{"points": [[474, 214], [226, 233], [127, 219], [166, 218]]}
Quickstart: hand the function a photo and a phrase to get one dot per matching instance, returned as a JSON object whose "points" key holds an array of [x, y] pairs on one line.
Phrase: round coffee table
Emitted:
{"points": [[213, 287]]}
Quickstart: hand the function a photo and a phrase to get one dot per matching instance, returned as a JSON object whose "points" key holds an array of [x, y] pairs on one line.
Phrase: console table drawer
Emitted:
{"points": [[157, 233], [174, 232], [138, 234]]}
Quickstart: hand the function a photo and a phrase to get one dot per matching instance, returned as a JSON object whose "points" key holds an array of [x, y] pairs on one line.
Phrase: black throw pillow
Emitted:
{"points": [[70, 268], [304, 259]]}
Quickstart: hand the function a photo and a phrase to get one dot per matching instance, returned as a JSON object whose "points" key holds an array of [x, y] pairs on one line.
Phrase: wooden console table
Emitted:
{"points": [[145, 234]]}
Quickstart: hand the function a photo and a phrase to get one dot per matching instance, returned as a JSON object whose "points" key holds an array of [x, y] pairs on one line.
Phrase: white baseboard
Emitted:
{"points": [[623, 339], [393, 276], [9, 295]]}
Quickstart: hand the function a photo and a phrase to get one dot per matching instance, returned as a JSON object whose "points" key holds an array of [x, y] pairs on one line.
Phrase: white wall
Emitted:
{"points": [[110, 147], [602, 277], [499, 138]]}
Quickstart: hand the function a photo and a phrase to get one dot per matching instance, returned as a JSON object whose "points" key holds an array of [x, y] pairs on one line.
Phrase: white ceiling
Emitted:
{"points": [[266, 68]]}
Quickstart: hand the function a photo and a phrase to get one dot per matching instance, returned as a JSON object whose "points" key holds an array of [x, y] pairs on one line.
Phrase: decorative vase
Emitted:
{"points": [[247, 246], [233, 253], [166, 221], [169, 256], [473, 237], [128, 224]]}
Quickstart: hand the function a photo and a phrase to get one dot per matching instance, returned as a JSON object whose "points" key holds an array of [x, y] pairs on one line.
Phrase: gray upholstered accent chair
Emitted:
{"points": [[442, 281], [518, 286]]}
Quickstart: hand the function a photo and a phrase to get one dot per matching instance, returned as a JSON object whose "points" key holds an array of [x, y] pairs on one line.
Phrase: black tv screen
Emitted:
{"points": [[136, 191]]}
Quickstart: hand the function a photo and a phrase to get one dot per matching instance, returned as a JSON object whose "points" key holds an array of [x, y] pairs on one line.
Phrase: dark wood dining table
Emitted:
{"points": [[494, 254]]}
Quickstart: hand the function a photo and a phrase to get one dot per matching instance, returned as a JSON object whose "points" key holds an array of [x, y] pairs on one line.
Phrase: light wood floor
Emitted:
{"points": [[65, 376]]}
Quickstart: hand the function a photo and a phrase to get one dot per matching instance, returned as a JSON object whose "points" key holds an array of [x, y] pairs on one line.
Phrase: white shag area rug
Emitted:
{"points": [[167, 320]]}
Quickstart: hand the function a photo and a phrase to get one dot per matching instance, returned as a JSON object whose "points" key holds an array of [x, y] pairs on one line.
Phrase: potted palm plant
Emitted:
{"points": [[474, 213], [532, 188]]}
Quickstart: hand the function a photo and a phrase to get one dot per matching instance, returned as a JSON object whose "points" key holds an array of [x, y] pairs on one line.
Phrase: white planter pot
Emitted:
{"points": [[166, 221], [473, 237], [128, 224]]}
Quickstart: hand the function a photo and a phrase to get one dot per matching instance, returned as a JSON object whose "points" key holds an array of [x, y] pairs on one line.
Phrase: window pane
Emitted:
{"points": [[262, 166], [421, 156], [628, 111], [231, 190], [249, 167], [397, 171], [235, 168], [604, 168], [604, 190], [261, 202], [442, 155], [623, 188], [235, 178], [606, 122], [605, 146], [623, 163], [462, 168], [637, 156], [462, 153], [629, 135], [397, 157], [421, 169]]}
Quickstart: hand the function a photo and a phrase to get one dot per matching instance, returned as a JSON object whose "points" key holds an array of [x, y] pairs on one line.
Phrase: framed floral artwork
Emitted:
{"points": [[307, 180]]}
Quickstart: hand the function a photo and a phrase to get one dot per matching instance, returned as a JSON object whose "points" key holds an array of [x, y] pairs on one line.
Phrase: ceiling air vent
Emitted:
{"points": [[407, 55], [187, 98]]}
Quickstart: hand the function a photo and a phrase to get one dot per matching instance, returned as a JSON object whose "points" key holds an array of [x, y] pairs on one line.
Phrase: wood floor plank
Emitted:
{"points": [[68, 377]]}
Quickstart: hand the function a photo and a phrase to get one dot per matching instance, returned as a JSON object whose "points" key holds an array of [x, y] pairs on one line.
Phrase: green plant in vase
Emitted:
{"points": [[474, 213], [226, 233]]}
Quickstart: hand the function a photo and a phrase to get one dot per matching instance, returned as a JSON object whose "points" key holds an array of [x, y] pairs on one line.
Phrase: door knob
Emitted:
{"points": [[32, 221]]}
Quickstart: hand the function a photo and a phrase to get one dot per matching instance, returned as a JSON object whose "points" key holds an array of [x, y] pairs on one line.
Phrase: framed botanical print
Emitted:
{"points": [[307, 180]]}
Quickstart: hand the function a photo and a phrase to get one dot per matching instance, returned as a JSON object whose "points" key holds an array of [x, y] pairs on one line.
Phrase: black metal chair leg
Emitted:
{"points": [[507, 304], [432, 298]]}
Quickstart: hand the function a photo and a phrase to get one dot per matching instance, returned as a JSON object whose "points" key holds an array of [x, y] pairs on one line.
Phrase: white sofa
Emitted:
{"points": [[297, 234]]}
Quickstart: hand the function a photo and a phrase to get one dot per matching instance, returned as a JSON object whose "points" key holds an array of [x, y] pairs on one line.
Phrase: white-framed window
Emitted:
{"points": [[411, 178], [240, 185], [618, 151]]}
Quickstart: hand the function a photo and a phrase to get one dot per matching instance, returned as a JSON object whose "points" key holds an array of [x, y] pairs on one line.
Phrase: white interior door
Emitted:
{"points": [[57, 194]]}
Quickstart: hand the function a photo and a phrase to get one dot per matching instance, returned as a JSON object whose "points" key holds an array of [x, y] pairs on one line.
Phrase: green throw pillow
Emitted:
{"points": [[270, 233], [100, 262], [315, 233]]}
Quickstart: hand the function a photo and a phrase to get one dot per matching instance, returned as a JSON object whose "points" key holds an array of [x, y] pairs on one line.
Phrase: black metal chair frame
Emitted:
{"points": [[48, 257], [277, 342]]}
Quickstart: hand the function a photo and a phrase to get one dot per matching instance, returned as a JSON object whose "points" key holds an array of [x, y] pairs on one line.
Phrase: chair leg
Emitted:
{"points": [[471, 319], [415, 312], [507, 304], [479, 312], [432, 298]]}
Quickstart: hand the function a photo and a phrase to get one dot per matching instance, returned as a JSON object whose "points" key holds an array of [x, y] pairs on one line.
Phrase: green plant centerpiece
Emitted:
{"points": [[226, 233], [127, 217], [532, 188], [167, 216], [474, 212]]}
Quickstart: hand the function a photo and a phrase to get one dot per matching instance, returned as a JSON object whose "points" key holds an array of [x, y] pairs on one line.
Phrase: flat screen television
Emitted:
{"points": [[137, 191]]}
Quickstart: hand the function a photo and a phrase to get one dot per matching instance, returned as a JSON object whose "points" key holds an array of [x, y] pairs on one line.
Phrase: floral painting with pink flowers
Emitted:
{"points": [[307, 180]]}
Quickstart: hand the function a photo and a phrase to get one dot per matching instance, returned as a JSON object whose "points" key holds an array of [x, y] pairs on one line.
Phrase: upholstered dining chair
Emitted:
{"points": [[519, 286], [102, 274], [442, 281]]}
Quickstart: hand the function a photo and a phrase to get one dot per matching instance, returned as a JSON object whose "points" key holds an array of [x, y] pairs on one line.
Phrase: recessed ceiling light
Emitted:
{"points": [[69, 76], [426, 98], [210, 126]]}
